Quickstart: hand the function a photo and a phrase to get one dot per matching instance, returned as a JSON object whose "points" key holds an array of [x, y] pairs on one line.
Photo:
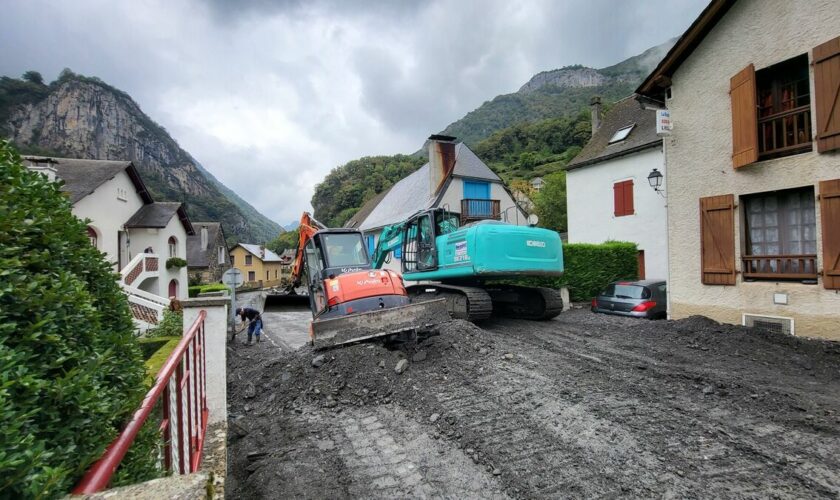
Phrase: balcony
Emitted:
{"points": [[779, 267], [785, 133], [475, 210]]}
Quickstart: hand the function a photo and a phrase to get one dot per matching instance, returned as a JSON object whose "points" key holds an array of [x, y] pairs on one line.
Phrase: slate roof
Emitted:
{"points": [[627, 111], [158, 214], [413, 193], [82, 176], [202, 257], [255, 251], [366, 209]]}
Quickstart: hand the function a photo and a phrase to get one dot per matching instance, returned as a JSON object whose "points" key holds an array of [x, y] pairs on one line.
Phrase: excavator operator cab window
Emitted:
{"points": [[446, 222], [345, 250], [426, 254], [314, 281]]}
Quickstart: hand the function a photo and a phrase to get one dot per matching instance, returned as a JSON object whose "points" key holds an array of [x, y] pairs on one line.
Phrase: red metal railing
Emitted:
{"points": [[181, 383]]}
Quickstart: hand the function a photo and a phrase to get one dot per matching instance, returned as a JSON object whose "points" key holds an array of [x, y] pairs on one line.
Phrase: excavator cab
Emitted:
{"points": [[419, 248], [328, 254]]}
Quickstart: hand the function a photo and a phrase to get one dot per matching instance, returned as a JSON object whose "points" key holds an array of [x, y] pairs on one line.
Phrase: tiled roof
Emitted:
{"points": [[156, 214], [255, 250], [624, 113], [198, 256], [82, 176]]}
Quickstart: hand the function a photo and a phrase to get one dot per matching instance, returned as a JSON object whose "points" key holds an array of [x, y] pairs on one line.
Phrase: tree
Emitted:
{"points": [[71, 371], [550, 202], [286, 241], [33, 77]]}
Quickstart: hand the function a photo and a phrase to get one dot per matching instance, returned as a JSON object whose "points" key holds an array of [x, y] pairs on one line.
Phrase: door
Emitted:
{"points": [[173, 288], [641, 264], [479, 195]]}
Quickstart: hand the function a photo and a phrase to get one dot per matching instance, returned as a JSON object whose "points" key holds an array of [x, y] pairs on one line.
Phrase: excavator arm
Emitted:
{"points": [[308, 227], [390, 239]]}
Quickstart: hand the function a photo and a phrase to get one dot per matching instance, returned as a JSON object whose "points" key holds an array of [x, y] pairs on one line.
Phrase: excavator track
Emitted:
{"points": [[462, 302], [532, 303]]}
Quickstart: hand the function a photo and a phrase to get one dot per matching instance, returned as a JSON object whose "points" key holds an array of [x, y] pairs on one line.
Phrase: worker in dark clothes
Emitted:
{"points": [[254, 318]]}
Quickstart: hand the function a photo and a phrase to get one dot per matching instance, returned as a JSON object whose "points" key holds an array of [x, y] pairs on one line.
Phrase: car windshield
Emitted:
{"points": [[624, 291], [345, 249]]}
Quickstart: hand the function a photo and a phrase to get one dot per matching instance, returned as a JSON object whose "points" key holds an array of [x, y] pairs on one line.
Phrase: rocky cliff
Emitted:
{"points": [[81, 117], [565, 77]]}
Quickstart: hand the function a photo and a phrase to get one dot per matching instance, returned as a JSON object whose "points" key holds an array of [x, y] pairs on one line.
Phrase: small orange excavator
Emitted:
{"points": [[351, 301]]}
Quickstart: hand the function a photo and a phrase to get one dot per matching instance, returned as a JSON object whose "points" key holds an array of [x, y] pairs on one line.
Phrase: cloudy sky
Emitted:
{"points": [[271, 95]]}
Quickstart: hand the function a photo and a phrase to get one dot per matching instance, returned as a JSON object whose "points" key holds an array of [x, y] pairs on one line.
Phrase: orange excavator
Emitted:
{"points": [[351, 301]]}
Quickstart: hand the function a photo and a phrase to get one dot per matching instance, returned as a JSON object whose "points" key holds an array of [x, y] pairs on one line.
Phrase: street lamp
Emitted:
{"points": [[655, 180]]}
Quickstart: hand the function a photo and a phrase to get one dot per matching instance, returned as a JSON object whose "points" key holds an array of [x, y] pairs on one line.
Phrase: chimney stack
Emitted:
{"points": [[262, 251], [441, 160], [204, 237], [595, 106]]}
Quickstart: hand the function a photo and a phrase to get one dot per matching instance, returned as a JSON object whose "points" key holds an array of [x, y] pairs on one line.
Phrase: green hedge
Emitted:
{"points": [[589, 268], [71, 371], [193, 291]]}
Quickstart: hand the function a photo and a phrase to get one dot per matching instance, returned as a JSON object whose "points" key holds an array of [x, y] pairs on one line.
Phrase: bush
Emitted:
{"points": [[71, 369], [175, 262], [172, 325], [194, 291]]}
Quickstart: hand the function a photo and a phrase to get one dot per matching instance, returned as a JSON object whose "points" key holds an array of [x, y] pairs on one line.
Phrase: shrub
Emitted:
{"points": [[172, 325], [70, 367], [176, 262], [194, 291]]}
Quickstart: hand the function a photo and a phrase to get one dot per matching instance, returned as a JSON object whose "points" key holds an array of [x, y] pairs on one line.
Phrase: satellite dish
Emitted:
{"points": [[533, 219]]}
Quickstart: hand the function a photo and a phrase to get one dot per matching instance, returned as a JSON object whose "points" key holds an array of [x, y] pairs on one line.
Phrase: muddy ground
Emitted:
{"points": [[582, 406]]}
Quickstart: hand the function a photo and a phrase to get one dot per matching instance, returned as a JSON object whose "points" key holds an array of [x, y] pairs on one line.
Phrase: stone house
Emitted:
{"points": [[608, 195], [260, 266], [208, 256], [753, 180], [454, 178]]}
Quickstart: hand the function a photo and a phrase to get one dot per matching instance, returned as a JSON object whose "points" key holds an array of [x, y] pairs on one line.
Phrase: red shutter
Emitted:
{"points": [[827, 94], [628, 198], [744, 118], [830, 216], [717, 240], [618, 200]]}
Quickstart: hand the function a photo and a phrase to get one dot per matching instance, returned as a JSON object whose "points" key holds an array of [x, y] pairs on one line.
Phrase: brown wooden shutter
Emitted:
{"points": [[628, 198], [717, 240], [744, 117], [827, 94], [618, 200], [830, 216]]}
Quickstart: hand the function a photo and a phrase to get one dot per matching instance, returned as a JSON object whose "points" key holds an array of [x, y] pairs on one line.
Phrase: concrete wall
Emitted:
{"points": [[698, 157], [108, 213], [591, 207], [158, 239], [216, 357]]}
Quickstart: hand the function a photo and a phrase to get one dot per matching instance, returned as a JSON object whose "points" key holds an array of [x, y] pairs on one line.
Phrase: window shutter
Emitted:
{"points": [[618, 199], [628, 198], [830, 215], [827, 94], [744, 118], [717, 241]]}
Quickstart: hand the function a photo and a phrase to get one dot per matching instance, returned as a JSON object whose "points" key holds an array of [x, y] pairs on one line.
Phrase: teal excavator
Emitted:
{"points": [[464, 264]]}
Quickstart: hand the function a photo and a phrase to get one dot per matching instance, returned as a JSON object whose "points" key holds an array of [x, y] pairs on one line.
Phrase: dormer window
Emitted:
{"points": [[621, 134]]}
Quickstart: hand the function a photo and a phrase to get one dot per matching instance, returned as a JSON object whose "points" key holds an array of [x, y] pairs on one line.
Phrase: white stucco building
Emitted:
{"points": [[607, 192], [455, 178], [753, 180], [137, 234]]}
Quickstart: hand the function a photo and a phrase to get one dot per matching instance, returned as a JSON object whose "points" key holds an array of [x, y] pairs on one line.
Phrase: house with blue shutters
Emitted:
{"points": [[454, 179]]}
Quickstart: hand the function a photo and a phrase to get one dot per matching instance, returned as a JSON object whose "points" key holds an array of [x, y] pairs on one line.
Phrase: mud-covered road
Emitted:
{"points": [[581, 406]]}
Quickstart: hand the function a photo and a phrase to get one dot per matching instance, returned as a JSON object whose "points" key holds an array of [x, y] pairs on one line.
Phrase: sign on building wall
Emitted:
{"points": [[663, 122]]}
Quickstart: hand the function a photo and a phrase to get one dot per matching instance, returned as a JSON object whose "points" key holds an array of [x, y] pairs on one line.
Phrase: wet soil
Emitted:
{"points": [[580, 406]]}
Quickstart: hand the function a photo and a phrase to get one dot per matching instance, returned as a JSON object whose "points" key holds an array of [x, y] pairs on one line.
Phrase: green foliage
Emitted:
{"points": [[172, 325], [286, 241], [71, 372], [33, 77], [352, 184], [550, 202], [194, 291], [175, 262]]}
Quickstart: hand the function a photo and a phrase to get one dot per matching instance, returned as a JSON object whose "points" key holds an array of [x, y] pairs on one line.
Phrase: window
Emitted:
{"points": [[344, 249], [91, 234], [231, 259], [122, 194], [784, 108], [173, 247], [623, 198], [252, 276], [221, 255], [173, 289], [275, 274], [249, 260], [780, 239], [621, 134], [266, 275]]}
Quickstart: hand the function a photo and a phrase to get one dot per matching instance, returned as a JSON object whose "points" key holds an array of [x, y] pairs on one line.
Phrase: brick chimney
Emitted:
{"points": [[595, 107], [441, 160], [262, 251]]}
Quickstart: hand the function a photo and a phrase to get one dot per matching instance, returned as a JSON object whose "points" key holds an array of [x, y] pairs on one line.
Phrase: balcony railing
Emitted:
{"points": [[181, 388], [473, 210], [787, 132], [787, 267]]}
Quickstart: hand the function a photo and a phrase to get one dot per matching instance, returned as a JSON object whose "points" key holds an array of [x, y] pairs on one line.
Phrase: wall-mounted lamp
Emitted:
{"points": [[655, 181]]}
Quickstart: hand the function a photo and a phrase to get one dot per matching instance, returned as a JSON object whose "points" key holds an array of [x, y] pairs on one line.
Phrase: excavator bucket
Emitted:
{"points": [[378, 323]]}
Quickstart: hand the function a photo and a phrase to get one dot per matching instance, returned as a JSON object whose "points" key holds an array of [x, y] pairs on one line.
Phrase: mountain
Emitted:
{"points": [[556, 93], [82, 117], [292, 225]]}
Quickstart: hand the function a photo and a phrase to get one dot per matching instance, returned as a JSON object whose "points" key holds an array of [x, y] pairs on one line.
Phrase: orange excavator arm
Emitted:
{"points": [[308, 227]]}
